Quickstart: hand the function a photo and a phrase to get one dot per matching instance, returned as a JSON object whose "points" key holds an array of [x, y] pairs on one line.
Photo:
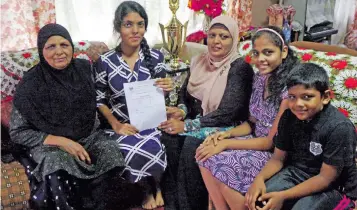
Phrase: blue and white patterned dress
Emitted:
{"points": [[144, 154]]}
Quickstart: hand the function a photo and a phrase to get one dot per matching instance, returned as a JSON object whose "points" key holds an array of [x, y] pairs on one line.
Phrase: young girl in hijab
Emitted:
{"points": [[53, 119], [229, 166], [215, 96]]}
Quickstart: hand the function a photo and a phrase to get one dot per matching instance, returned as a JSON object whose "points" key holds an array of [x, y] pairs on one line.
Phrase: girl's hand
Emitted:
{"points": [[214, 138], [165, 83], [204, 152], [123, 129]]}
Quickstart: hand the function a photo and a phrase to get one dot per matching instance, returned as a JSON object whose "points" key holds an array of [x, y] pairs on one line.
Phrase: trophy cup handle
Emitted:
{"points": [[162, 27], [184, 33]]}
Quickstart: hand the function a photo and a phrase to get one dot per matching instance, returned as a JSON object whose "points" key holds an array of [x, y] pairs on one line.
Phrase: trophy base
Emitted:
{"points": [[175, 65]]}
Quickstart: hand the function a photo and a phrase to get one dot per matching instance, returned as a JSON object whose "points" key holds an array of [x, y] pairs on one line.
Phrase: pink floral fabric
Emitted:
{"points": [[351, 37], [277, 14], [241, 11], [21, 21]]}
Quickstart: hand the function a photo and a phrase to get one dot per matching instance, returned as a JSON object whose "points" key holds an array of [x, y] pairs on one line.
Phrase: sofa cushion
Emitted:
{"points": [[6, 108], [13, 66], [15, 191], [191, 49], [341, 69]]}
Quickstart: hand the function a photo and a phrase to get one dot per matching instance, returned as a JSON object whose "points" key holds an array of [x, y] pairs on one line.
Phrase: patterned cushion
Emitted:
{"points": [[341, 69], [15, 191], [13, 65], [6, 108]]}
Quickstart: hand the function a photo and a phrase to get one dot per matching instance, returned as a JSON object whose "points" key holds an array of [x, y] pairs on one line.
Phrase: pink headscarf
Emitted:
{"points": [[209, 75]]}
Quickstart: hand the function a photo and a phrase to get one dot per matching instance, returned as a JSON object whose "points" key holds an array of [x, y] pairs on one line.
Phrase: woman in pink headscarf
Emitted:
{"points": [[214, 98]]}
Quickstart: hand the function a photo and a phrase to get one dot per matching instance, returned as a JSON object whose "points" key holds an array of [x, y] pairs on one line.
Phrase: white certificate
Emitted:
{"points": [[146, 104]]}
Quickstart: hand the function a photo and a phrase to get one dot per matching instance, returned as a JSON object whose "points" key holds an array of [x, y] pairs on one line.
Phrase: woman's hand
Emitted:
{"points": [[165, 83], [74, 149], [123, 128], [204, 152], [69, 146], [172, 126], [174, 113], [214, 138]]}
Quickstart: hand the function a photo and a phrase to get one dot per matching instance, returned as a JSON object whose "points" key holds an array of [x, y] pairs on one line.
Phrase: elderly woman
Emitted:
{"points": [[215, 96], [68, 164]]}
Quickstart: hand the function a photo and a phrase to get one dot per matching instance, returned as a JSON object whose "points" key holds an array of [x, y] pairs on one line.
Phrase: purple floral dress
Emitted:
{"points": [[238, 168]]}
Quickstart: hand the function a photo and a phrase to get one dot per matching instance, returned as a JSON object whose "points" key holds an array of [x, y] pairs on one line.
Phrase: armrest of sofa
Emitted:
{"points": [[96, 49], [191, 49], [188, 50], [324, 48]]}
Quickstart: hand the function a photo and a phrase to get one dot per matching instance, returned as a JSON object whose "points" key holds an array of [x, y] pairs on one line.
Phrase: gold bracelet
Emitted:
{"points": [[183, 113]]}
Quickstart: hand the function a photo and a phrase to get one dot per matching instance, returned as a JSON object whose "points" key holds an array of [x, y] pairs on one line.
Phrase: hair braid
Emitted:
{"points": [[118, 49], [147, 56]]}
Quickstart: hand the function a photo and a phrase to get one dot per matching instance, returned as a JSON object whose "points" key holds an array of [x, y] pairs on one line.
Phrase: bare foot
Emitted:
{"points": [[149, 202], [159, 200]]}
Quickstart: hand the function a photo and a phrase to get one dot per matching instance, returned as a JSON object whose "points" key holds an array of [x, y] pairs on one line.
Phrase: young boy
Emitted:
{"points": [[313, 164]]}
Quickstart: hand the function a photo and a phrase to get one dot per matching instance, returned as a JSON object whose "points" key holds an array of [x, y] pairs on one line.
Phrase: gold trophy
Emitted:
{"points": [[175, 35]]}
